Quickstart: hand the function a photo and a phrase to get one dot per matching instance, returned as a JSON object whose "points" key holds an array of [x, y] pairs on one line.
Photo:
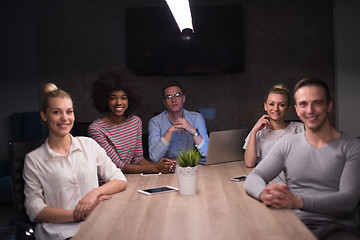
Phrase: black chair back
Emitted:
{"points": [[28, 126], [18, 150]]}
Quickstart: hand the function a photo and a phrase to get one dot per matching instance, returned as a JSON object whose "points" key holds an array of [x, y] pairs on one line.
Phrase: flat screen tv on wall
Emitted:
{"points": [[154, 43]]}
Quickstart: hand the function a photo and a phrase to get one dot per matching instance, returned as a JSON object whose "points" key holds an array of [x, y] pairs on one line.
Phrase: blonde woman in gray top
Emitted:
{"points": [[270, 128]]}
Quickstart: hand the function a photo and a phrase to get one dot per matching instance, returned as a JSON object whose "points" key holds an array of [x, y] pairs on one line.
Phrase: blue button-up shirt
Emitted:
{"points": [[159, 148]]}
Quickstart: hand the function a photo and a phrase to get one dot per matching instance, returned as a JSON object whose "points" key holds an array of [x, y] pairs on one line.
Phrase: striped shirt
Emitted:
{"points": [[122, 143]]}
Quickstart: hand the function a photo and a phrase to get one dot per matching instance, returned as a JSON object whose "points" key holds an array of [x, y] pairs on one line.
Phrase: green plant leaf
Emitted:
{"points": [[189, 158]]}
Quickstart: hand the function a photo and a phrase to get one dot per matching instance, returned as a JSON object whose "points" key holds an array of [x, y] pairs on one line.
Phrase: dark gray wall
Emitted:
{"points": [[76, 40], [347, 52], [19, 84], [283, 43]]}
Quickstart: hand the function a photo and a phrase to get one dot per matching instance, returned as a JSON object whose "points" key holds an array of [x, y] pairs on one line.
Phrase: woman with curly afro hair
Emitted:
{"points": [[116, 95]]}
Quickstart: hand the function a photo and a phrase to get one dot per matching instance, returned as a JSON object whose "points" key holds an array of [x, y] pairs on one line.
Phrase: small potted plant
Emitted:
{"points": [[187, 171]]}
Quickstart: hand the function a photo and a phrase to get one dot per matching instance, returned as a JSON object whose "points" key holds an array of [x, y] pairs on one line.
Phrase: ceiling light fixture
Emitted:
{"points": [[180, 9]]}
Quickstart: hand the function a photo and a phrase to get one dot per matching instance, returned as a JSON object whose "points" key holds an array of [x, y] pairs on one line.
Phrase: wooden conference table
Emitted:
{"points": [[220, 210]]}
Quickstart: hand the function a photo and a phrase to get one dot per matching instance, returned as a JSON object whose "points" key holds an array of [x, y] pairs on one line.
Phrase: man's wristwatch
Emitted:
{"points": [[195, 133]]}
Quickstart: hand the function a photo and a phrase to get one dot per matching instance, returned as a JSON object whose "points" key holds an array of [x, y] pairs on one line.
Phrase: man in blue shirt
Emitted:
{"points": [[176, 129]]}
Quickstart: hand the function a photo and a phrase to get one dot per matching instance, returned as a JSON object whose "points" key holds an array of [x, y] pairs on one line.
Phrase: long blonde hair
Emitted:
{"points": [[51, 91]]}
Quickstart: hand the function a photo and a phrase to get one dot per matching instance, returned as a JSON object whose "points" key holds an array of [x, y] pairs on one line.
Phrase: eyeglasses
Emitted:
{"points": [[176, 95]]}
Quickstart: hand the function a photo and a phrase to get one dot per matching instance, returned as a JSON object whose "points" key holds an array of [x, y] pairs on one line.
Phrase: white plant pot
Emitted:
{"points": [[187, 179]]}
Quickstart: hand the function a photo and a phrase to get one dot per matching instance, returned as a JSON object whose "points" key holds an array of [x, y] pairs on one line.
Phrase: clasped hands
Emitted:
{"points": [[279, 196], [183, 125], [167, 166]]}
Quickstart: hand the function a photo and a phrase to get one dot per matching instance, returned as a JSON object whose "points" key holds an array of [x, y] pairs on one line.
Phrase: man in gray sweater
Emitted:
{"points": [[321, 165]]}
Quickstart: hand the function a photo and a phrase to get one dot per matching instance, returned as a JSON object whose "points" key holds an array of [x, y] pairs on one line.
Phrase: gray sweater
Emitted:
{"points": [[327, 178]]}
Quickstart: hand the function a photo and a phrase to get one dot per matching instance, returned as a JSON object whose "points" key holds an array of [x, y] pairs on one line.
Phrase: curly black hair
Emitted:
{"points": [[116, 80]]}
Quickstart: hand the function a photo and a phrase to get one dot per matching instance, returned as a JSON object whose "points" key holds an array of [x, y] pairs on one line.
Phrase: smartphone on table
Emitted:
{"points": [[238, 179], [156, 190], [150, 174]]}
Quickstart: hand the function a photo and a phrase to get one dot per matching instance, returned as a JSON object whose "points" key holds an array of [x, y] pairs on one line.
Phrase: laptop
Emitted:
{"points": [[225, 146]]}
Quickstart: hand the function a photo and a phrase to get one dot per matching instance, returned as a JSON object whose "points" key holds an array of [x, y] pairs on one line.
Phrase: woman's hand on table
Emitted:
{"points": [[166, 165], [88, 203]]}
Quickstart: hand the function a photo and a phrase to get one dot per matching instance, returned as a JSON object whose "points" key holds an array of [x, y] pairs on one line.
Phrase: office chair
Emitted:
{"points": [[28, 126], [18, 150]]}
